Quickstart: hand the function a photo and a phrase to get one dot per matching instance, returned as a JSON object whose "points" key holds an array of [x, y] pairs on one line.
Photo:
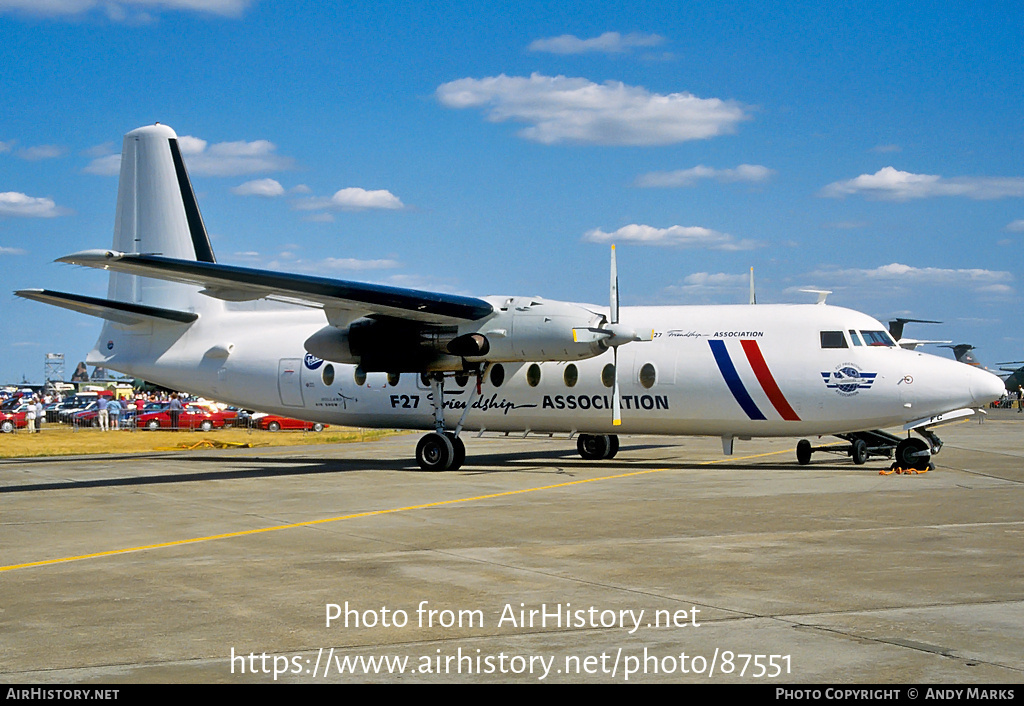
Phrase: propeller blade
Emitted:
{"points": [[613, 303], [616, 402]]}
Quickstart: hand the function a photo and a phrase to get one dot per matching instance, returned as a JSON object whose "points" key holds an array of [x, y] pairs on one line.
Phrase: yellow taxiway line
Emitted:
{"points": [[371, 513]]}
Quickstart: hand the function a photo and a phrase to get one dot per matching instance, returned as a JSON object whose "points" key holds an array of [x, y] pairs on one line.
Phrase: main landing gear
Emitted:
{"points": [[443, 450], [908, 453], [593, 447]]}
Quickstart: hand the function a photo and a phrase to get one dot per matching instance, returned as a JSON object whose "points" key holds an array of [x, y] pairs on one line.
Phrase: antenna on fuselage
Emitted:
{"points": [[822, 294], [753, 297]]}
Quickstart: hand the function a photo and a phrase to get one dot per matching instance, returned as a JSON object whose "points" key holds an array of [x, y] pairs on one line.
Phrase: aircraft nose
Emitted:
{"points": [[985, 387]]}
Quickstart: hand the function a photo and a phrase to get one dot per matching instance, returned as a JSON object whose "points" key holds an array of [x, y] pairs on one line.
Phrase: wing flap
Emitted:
{"points": [[235, 283]]}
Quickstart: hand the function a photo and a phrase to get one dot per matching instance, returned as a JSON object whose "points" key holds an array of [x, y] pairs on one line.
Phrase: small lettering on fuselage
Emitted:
{"points": [[483, 404]]}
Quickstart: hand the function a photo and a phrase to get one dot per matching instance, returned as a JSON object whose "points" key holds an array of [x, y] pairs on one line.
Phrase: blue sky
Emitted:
{"points": [[869, 148]]}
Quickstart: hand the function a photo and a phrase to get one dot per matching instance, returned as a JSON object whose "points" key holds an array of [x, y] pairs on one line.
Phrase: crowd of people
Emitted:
{"points": [[112, 411]]}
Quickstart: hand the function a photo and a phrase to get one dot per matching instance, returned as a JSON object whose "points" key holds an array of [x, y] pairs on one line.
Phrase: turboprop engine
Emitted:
{"points": [[520, 329]]}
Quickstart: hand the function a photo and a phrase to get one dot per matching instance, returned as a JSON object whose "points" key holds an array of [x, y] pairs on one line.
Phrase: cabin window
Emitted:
{"points": [[571, 375], [393, 378], [533, 375], [855, 338], [648, 376], [497, 374], [461, 379], [328, 375], [608, 375], [833, 339], [360, 376], [877, 338]]}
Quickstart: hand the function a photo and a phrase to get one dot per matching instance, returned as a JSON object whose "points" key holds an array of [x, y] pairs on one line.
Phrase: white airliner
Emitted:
{"points": [[357, 354]]}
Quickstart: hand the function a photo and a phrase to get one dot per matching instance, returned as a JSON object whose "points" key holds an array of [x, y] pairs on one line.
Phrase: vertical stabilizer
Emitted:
{"points": [[157, 213]]}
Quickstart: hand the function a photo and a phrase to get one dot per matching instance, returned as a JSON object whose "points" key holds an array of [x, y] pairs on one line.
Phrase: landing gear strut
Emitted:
{"points": [[443, 450]]}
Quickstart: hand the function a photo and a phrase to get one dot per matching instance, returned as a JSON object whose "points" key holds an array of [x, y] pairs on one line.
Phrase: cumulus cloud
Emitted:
{"points": [[353, 199], [751, 173], [219, 159], [607, 43], [11, 251], [13, 203], [1016, 226], [259, 187], [119, 10], [890, 184], [34, 154], [231, 158], [705, 286], [674, 236], [109, 165], [330, 265], [561, 109], [5, 147], [990, 281]]}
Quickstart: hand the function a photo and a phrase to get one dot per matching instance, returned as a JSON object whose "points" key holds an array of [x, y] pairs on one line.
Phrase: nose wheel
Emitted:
{"points": [[912, 453]]}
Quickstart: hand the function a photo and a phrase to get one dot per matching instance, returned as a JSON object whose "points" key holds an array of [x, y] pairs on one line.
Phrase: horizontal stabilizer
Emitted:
{"points": [[118, 312], [234, 283]]}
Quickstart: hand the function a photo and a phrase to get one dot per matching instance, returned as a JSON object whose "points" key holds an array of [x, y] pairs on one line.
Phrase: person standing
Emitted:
{"points": [[114, 413], [39, 415], [30, 416], [101, 413], [174, 410]]}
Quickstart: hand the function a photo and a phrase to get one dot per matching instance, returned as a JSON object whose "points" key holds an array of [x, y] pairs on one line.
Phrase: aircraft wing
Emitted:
{"points": [[232, 283], [118, 312]]}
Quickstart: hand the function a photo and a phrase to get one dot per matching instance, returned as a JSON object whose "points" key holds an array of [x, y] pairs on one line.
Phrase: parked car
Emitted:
{"points": [[13, 418], [192, 417], [272, 422]]}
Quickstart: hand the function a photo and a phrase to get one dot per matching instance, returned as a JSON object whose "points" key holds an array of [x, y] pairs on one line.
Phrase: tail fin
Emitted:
{"points": [[157, 213]]}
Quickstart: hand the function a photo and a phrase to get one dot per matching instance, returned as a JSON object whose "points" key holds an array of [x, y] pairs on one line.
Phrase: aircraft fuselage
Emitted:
{"points": [[717, 370]]}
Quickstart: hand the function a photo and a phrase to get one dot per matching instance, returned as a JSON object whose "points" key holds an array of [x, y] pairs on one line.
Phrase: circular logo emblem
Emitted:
{"points": [[312, 362], [851, 376]]}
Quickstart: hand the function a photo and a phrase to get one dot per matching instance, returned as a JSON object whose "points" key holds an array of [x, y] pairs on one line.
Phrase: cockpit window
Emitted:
{"points": [[877, 338], [855, 337], [833, 339]]}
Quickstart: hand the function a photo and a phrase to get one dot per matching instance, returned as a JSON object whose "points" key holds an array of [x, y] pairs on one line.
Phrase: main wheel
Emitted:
{"points": [[153, 424], [859, 451], [613, 446], [7, 426], [318, 427], [435, 452], [909, 454], [459, 451], [274, 426], [803, 452], [593, 446], [206, 425]]}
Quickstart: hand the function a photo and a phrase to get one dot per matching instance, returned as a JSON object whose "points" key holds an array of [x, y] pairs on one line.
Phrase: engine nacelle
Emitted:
{"points": [[524, 329], [520, 330]]}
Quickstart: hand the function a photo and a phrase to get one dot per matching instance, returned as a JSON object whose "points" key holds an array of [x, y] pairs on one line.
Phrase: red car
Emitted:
{"points": [[192, 417], [13, 419], [272, 422]]}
